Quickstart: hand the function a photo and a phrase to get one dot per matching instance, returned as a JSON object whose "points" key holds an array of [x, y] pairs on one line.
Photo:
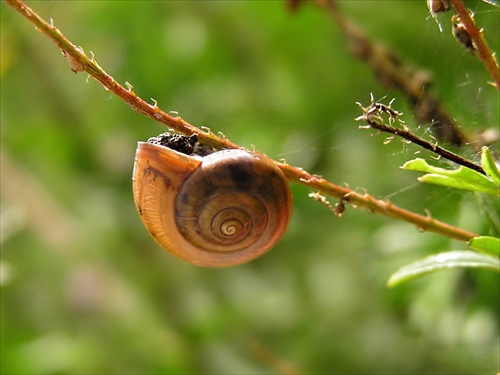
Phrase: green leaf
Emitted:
{"points": [[450, 259], [489, 165], [460, 178], [486, 244]]}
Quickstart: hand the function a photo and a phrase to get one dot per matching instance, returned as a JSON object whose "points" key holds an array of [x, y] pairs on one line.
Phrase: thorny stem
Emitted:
{"points": [[127, 94], [413, 138], [393, 72], [295, 174], [477, 37]]}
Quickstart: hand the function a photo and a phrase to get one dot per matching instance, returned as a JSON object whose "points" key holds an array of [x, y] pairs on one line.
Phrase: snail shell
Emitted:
{"points": [[219, 210]]}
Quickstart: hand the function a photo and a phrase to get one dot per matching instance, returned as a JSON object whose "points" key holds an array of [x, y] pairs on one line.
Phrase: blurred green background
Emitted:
{"points": [[85, 289]]}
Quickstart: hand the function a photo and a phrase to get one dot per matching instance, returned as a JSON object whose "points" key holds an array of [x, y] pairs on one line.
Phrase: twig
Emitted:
{"points": [[370, 117], [76, 57], [373, 205], [393, 72], [295, 174], [484, 51]]}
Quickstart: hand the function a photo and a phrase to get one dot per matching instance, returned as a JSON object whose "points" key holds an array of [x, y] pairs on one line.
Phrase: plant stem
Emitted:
{"points": [[484, 51], [423, 223], [413, 138], [392, 71]]}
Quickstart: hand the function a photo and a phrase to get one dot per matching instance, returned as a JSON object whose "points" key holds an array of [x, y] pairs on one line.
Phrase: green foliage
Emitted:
{"points": [[489, 165], [85, 289], [466, 179], [460, 178], [446, 260], [486, 244]]}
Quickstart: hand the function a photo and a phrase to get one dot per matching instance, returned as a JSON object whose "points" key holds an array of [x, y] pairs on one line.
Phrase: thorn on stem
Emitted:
{"points": [[318, 176], [388, 140]]}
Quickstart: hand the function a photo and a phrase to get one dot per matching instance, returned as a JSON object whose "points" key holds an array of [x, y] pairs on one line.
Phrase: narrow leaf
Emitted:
{"points": [[456, 183], [489, 165], [486, 244], [450, 259], [460, 178]]}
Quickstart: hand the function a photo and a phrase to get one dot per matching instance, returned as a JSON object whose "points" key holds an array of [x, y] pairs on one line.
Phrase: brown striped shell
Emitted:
{"points": [[219, 210]]}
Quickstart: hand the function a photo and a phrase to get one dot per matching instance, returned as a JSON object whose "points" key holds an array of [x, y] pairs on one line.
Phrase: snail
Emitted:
{"points": [[218, 210]]}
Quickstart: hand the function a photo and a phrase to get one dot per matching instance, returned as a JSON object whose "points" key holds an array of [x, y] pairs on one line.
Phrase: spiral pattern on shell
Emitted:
{"points": [[219, 210], [233, 202]]}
